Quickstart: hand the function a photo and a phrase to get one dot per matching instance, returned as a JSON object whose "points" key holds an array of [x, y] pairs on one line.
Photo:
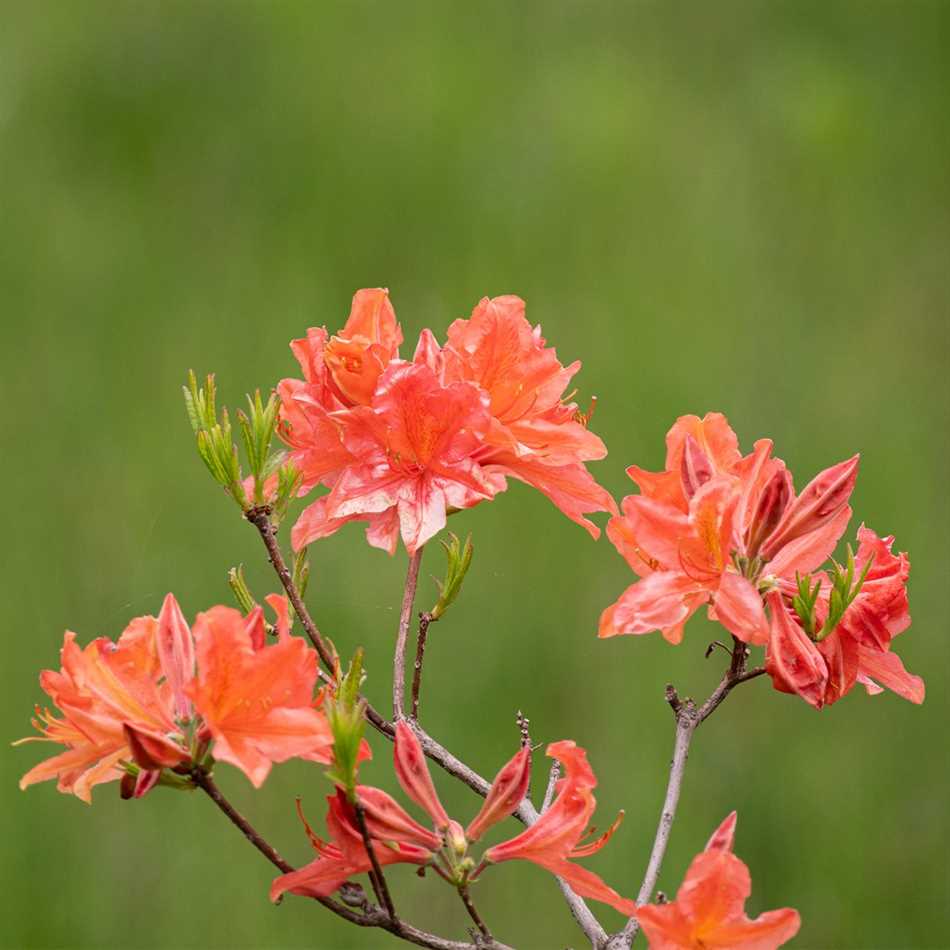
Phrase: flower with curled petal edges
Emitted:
{"points": [[159, 696], [709, 910], [714, 527]]}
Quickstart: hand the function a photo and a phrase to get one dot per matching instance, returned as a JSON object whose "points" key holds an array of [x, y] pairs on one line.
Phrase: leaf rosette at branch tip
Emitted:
{"points": [[458, 560]]}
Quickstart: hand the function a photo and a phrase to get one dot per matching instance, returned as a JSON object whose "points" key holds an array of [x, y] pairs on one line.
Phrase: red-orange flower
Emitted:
{"points": [[157, 697], [343, 856], [535, 436], [413, 456], [714, 527], [400, 444], [709, 910], [821, 668], [555, 837]]}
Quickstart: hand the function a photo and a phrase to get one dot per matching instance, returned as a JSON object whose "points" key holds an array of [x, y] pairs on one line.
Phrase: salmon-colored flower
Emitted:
{"points": [[555, 838], [343, 856], [821, 666], [158, 696], [400, 444], [709, 910], [535, 435], [715, 527], [414, 453]]}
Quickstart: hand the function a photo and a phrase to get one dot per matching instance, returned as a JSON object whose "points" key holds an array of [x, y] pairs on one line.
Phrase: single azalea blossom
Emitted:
{"points": [[709, 910], [719, 528], [158, 698], [400, 445], [821, 660], [535, 435], [556, 839]]}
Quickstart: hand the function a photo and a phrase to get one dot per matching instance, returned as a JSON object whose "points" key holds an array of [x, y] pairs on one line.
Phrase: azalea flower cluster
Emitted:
{"points": [[400, 444], [719, 528], [166, 698], [395, 837]]}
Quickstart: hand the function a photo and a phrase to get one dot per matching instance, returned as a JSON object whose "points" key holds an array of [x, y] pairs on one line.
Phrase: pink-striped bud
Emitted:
{"points": [[821, 499], [505, 794], [138, 786], [724, 836], [152, 751], [413, 774], [769, 510], [791, 659], [387, 820], [695, 467], [455, 838], [176, 652]]}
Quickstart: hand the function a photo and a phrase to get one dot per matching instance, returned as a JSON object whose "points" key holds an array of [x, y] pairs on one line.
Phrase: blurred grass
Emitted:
{"points": [[737, 206]]}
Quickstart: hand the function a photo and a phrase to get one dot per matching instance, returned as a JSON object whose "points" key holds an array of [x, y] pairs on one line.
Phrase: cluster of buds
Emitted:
{"points": [[554, 841]]}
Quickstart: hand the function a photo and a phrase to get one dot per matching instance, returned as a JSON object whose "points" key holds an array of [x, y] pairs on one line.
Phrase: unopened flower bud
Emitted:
{"points": [[413, 774], [821, 499], [455, 839], [768, 512], [152, 751], [695, 468], [505, 794]]}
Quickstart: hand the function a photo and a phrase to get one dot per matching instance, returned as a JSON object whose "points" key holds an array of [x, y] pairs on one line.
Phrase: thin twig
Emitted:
{"points": [[688, 717], [425, 618], [377, 878], [405, 617], [553, 776], [473, 912], [260, 518]]}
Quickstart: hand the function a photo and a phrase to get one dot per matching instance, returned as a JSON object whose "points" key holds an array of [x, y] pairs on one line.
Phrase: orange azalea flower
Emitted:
{"points": [[709, 910], [158, 696], [715, 527], [398, 445], [535, 436], [344, 856], [555, 837]]}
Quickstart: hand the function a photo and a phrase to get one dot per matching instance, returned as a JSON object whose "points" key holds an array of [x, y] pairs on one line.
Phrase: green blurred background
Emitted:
{"points": [[740, 207]]}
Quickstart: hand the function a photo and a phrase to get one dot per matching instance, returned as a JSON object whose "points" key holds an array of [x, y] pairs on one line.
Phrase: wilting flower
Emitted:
{"points": [[555, 838], [714, 527], [821, 665], [709, 910], [402, 444], [159, 696]]}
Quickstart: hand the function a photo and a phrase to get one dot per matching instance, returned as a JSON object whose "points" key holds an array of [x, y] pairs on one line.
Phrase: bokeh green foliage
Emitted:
{"points": [[732, 206]]}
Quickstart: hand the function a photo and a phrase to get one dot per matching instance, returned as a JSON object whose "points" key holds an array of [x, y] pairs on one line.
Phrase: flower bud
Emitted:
{"points": [[176, 652], [505, 794], [768, 511], [455, 839], [387, 820], [792, 660], [821, 499], [152, 751], [695, 467], [413, 774]]}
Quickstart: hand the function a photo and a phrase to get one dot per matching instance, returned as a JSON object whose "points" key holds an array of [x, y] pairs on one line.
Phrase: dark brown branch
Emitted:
{"points": [[405, 617], [260, 518], [377, 878], [473, 913], [424, 620], [370, 916]]}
